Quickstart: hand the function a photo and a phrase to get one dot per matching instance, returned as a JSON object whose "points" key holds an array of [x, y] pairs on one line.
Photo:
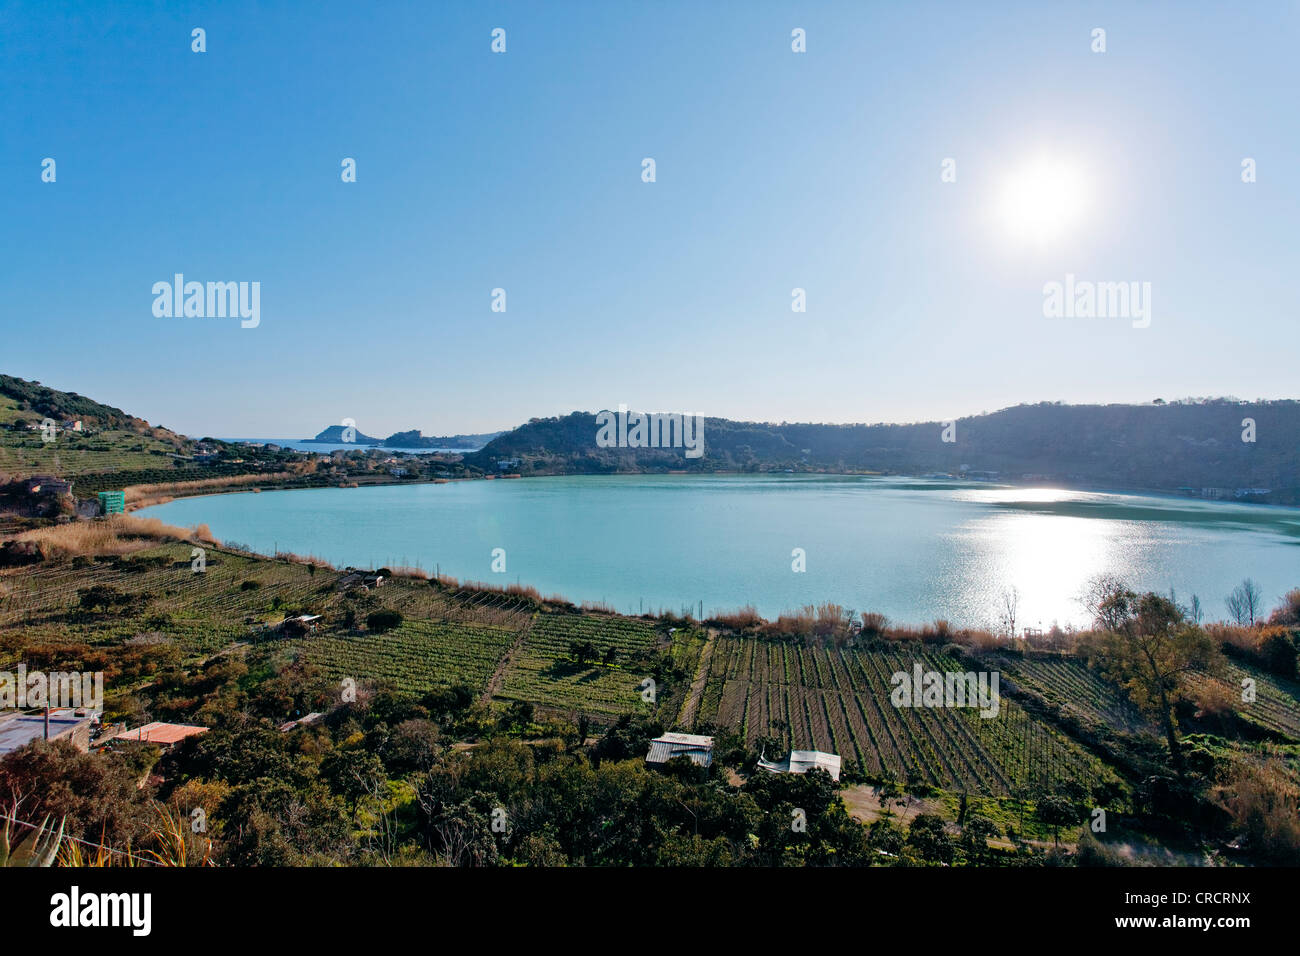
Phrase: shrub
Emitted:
{"points": [[383, 620], [1288, 614], [873, 624]]}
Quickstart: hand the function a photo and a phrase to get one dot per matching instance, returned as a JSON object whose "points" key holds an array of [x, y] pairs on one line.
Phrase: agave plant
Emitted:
{"points": [[39, 847]]}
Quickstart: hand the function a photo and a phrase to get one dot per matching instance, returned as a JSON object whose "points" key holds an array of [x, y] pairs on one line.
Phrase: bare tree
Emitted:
{"points": [[1108, 600], [1244, 603], [1010, 603]]}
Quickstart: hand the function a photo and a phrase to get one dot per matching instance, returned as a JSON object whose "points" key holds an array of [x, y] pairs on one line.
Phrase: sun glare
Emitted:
{"points": [[1043, 199]]}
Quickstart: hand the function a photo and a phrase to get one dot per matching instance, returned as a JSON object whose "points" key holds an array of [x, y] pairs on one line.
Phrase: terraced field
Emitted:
{"points": [[544, 672], [839, 701], [1070, 684], [70, 455], [461, 636], [417, 656], [200, 612], [1277, 701]]}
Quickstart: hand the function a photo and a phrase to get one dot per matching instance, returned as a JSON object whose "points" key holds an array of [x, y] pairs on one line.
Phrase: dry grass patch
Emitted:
{"points": [[116, 534]]}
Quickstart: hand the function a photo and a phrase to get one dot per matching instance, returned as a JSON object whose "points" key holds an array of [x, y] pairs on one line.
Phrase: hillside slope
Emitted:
{"points": [[1165, 446]]}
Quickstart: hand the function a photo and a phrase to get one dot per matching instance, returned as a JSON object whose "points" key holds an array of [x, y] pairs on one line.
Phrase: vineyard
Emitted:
{"points": [[71, 455], [198, 612], [1071, 685], [417, 656], [1275, 706], [839, 701], [448, 636], [544, 672]]}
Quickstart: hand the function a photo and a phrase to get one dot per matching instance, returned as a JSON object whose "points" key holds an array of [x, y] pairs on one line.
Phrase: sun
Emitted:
{"points": [[1043, 199]]}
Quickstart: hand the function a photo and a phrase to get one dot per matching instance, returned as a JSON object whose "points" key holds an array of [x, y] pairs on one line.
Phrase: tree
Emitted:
{"points": [[1109, 601], [583, 652], [885, 836], [518, 715], [1148, 648], [351, 774], [1009, 603], [930, 838], [975, 837], [1279, 653], [1057, 810], [383, 620], [1244, 603]]}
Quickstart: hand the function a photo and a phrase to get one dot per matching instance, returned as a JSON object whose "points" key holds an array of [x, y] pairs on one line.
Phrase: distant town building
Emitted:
{"points": [[112, 502], [697, 748], [801, 761]]}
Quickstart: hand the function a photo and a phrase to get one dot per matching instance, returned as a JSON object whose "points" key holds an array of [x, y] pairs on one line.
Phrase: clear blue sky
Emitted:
{"points": [[523, 171]]}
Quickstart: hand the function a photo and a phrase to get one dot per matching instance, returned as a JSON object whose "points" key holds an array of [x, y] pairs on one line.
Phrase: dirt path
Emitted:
{"points": [[864, 805], [499, 675], [691, 706]]}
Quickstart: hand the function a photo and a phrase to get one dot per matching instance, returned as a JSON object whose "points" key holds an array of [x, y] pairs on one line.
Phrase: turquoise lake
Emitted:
{"points": [[912, 549]]}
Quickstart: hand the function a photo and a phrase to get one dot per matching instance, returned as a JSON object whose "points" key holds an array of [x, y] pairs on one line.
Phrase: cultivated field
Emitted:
{"points": [[487, 640], [417, 656], [839, 701], [1071, 685], [543, 671]]}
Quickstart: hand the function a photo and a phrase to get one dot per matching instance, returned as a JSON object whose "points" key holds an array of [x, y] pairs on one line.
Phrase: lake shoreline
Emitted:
{"points": [[910, 548]]}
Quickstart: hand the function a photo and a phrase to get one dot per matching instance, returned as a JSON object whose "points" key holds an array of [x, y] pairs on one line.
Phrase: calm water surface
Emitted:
{"points": [[912, 549]]}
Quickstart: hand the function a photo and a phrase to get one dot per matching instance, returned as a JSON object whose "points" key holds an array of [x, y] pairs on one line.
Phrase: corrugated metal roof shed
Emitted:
{"points": [[696, 747]]}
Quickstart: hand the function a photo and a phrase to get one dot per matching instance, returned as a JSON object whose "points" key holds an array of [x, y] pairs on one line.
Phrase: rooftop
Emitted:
{"points": [[801, 761], [696, 747], [160, 733], [17, 730]]}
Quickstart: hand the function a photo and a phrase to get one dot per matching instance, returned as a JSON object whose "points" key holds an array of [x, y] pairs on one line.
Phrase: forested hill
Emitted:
{"points": [[41, 402], [1160, 446]]}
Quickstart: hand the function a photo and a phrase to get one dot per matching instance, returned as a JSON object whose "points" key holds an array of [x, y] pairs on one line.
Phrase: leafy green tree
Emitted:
{"points": [[1056, 811], [353, 774], [1150, 649], [95, 795], [886, 836], [975, 837], [930, 838]]}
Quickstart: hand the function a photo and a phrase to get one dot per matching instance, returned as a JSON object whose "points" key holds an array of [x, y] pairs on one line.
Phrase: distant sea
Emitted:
{"points": [[303, 444]]}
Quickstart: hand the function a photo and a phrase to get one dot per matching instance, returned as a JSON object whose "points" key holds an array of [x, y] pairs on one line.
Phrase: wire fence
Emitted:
{"points": [[86, 843]]}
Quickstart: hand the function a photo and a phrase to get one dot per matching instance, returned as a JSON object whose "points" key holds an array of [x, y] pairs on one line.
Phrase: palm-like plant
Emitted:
{"points": [[39, 847]]}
